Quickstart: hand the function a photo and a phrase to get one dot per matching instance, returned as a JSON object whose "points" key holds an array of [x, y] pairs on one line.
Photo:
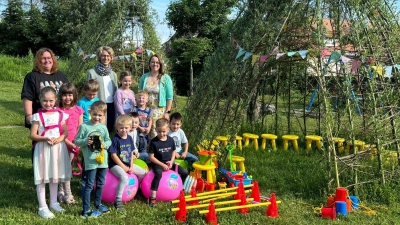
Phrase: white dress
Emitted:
{"points": [[50, 163]]}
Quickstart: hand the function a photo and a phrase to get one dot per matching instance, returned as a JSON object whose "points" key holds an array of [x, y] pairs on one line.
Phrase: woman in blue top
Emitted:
{"points": [[160, 88]]}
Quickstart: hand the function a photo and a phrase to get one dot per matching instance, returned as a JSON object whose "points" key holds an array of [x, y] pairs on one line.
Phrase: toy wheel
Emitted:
{"points": [[231, 184]]}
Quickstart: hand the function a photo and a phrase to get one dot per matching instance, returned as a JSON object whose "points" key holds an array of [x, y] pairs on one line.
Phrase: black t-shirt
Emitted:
{"points": [[162, 150], [35, 81]]}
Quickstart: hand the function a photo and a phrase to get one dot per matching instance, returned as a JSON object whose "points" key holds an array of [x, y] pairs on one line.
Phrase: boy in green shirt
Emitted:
{"points": [[94, 140]]}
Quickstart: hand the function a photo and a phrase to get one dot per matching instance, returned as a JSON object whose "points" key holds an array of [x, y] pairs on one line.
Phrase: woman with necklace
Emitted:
{"points": [[160, 88], [108, 82]]}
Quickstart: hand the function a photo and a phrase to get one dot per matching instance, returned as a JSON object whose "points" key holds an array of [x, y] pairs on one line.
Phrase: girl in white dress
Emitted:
{"points": [[50, 157]]}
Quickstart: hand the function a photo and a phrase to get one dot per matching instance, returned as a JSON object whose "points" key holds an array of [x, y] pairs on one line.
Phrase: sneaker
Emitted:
{"points": [[152, 202], [103, 209], [118, 205], [45, 213], [56, 207], [91, 214]]}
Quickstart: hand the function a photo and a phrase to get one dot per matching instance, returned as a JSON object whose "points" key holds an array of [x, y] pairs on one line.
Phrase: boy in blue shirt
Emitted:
{"points": [[90, 89]]}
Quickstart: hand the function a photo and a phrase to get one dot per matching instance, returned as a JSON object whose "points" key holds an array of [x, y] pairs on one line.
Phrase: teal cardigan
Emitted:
{"points": [[166, 88]]}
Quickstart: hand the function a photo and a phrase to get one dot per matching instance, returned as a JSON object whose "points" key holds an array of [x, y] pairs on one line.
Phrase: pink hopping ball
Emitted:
{"points": [[110, 188], [169, 188]]}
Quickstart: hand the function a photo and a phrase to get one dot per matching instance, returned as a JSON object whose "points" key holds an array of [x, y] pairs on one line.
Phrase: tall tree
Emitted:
{"points": [[13, 26], [198, 25]]}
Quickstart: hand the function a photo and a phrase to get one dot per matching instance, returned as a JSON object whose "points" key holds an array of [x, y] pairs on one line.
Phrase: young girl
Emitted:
{"points": [[124, 98], [68, 97], [50, 157]]}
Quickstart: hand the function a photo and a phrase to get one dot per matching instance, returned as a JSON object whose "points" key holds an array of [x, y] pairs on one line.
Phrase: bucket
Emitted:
{"points": [[341, 194], [205, 156], [354, 202], [348, 205], [328, 212], [331, 201], [341, 208]]}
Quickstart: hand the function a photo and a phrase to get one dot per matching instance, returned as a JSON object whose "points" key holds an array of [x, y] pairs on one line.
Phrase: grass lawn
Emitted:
{"points": [[298, 179]]}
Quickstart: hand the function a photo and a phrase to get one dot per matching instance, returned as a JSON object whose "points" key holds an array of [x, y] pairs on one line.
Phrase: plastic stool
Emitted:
{"points": [[339, 142], [310, 138], [290, 137], [248, 136], [210, 171], [182, 163], [239, 142], [358, 145], [223, 139], [266, 137], [239, 160]]}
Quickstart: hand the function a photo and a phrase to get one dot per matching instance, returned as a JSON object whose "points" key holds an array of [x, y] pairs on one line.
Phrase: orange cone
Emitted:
{"points": [[211, 216], [180, 215], [255, 192], [272, 210]]}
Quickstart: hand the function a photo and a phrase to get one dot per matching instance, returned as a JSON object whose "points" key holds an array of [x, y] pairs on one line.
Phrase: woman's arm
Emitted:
{"points": [[27, 104]]}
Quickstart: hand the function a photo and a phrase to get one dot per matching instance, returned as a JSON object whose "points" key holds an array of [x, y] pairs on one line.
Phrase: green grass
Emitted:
{"points": [[298, 179]]}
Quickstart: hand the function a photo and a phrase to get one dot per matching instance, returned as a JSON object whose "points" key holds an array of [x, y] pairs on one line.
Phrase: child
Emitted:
{"points": [[122, 155], [93, 139], [90, 89], [124, 98], [180, 138], [145, 116], [139, 141], [50, 157], [68, 96], [162, 155]]}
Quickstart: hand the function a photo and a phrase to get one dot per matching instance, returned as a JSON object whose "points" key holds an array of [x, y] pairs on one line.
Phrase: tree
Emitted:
{"points": [[13, 26], [198, 25]]}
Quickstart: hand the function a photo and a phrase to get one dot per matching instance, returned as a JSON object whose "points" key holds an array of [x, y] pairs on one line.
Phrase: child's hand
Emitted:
{"points": [[126, 169], [165, 167], [147, 130], [130, 171], [177, 156], [90, 141], [183, 155], [141, 129], [49, 141], [169, 165]]}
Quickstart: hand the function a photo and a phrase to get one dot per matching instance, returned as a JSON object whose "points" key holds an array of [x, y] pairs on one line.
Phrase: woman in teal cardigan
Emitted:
{"points": [[160, 89]]}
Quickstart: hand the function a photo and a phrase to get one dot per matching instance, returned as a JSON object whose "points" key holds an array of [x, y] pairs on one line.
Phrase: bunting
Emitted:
{"points": [[246, 56], [388, 71], [278, 55], [354, 66], [324, 52], [254, 59], [262, 59], [240, 53], [290, 54], [133, 55], [303, 53], [345, 59]]}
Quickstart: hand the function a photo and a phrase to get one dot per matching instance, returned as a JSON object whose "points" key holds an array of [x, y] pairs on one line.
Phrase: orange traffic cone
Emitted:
{"points": [[272, 210], [255, 192], [211, 216], [243, 202], [180, 215]]}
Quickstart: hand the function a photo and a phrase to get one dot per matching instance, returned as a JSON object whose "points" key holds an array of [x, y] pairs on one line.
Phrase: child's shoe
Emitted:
{"points": [[56, 207], [119, 206], [91, 214], [45, 213], [103, 209], [152, 202]]}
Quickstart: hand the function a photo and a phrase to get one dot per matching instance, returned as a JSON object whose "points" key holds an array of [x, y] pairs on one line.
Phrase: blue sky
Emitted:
{"points": [[162, 29]]}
